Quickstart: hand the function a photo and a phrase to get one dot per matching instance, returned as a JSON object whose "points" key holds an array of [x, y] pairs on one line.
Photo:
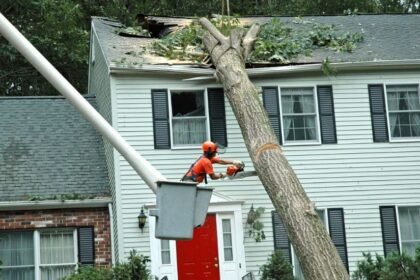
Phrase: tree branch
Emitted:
{"points": [[213, 31], [249, 39]]}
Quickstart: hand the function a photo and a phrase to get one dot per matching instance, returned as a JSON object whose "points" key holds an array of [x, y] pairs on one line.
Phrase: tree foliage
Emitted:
{"points": [[60, 29], [277, 42]]}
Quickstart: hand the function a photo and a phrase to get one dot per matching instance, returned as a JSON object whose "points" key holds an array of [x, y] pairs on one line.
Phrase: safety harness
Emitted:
{"points": [[193, 176]]}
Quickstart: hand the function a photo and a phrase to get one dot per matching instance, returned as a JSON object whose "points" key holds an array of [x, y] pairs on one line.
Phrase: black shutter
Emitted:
{"points": [[271, 105], [281, 240], [389, 229], [217, 116], [338, 233], [326, 115], [378, 113], [161, 119], [86, 245]]}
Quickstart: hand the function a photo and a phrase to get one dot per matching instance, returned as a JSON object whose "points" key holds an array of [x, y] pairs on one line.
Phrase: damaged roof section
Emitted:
{"points": [[385, 38]]}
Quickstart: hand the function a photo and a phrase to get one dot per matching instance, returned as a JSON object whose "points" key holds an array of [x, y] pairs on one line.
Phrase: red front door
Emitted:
{"points": [[198, 258]]}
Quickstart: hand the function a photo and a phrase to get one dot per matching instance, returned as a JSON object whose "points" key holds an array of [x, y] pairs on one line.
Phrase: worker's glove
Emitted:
{"points": [[239, 163], [222, 175]]}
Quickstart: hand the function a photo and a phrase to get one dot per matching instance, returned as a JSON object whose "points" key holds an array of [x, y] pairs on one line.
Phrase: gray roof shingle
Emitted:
{"points": [[47, 148], [386, 37]]}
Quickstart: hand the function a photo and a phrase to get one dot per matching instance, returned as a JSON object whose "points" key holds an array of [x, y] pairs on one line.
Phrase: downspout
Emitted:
{"points": [[111, 232], [143, 168]]}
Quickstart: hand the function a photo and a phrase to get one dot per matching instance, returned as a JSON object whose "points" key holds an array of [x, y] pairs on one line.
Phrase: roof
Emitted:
{"points": [[47, 149], [386, 38]]}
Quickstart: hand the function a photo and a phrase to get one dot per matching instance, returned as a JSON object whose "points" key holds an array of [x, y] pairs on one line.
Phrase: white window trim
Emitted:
{"points": [[398, 139], [318, 128], [207, 116]]}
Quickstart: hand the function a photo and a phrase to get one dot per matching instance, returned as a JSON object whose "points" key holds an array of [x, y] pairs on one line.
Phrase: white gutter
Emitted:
{"points": [[53, 204], [111, 232], [146, 171], [255, 72]]}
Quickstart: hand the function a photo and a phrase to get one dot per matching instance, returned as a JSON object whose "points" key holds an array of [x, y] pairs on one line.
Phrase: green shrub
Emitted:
{"points": [[134, 269], [394, 267], [276, 268]]}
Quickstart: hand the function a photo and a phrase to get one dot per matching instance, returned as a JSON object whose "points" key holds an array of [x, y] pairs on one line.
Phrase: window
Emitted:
{"points": [[46, 255], [188, 118], [299, 115], [227, 240], [332, 218], [409, 221], [165, 252], [403, 111]]}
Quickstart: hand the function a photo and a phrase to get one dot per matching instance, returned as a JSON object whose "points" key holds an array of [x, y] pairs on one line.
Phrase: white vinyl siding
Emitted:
{"points": [[356, 173], [100, 86]]}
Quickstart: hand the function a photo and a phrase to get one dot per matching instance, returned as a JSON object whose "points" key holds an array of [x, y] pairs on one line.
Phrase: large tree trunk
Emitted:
{"points": [[317, 255]]}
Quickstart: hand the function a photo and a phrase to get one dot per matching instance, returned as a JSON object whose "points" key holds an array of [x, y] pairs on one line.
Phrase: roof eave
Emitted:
{"points": [[54, 204], [255, 72]]}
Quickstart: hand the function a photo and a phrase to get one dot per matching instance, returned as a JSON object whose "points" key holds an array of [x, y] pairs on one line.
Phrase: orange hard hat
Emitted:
{"points": [[209, 147]]}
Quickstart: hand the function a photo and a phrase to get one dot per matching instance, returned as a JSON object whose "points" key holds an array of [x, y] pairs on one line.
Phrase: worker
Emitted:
{"points": [[204, 165]]}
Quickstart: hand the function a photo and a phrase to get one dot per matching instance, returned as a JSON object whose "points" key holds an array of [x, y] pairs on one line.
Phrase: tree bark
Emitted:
{"points": [[316, 252]]}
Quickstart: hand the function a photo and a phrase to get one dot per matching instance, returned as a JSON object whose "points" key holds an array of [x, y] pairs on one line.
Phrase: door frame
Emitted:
{"points": [[221, 206]]}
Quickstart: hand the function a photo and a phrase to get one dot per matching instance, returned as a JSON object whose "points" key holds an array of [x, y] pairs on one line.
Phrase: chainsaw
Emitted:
{"points": [[235, 172]]}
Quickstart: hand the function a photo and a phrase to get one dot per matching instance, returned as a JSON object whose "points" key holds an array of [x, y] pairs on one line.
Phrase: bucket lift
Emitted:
{"points": [[181, 206]]}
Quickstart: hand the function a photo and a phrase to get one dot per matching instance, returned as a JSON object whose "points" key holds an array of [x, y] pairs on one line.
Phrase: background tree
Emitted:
{"points": [[60, 28]]}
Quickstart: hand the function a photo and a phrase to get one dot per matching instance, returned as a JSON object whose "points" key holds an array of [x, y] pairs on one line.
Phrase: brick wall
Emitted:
{"points": [[61, 218]]}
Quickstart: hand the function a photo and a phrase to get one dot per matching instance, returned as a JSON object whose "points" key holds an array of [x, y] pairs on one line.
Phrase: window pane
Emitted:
{"points": [[165, 252], [188, 131], [22, 273], [187, 104], [17, 249], [409, 220], [227, 239], [57, 247], [299, 114], [404, 110], [57, 272]]}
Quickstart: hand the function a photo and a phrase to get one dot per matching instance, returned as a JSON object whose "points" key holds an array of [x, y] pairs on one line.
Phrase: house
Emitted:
{"points": [[54, 190], [353, 139]]}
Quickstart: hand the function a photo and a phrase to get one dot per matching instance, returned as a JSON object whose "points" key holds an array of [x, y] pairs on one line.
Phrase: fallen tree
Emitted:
{"points": [[317, 255]]}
